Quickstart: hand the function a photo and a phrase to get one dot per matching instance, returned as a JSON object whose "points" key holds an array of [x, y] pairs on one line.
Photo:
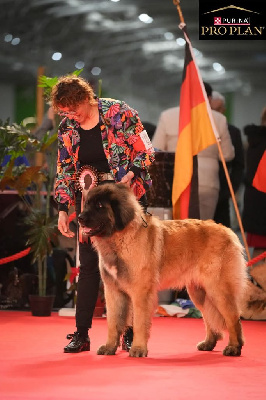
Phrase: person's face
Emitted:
{"points": [[79, 114]]}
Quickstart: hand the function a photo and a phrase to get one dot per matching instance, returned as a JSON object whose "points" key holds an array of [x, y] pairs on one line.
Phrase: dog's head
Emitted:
{"points": [[108, 208]]}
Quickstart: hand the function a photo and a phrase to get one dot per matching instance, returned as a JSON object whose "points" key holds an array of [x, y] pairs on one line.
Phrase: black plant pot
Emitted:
{"points": [[41, 306]]}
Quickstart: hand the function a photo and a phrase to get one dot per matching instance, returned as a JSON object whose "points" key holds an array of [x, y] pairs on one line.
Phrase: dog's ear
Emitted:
{"points": [[122, 208], [123, 214]]}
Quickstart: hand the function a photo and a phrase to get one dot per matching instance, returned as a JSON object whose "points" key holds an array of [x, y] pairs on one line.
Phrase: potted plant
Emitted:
{"points": [[34, 185]]}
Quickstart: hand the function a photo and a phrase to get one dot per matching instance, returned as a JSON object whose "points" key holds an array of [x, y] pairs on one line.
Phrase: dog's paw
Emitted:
{"points": [[233, 351], [106, 350], [137, 351], [206, 346]]}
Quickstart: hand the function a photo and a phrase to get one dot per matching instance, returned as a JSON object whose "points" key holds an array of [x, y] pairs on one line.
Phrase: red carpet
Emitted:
{"points": [[33, 366]]}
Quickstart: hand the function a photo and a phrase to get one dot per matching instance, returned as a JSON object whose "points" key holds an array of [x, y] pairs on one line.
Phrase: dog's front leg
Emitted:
{"points": [[117, 304], [143, 303]]}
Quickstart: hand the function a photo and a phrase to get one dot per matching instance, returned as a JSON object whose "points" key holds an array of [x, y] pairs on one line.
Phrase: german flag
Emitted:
{"points": [[196, 132]]}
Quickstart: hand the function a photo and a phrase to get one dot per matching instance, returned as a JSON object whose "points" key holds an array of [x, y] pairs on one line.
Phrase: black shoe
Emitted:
{"points": [[78, 343], [127, 338]]}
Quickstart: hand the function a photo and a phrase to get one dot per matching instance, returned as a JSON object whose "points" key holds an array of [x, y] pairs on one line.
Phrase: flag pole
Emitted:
{"points": [[177, 4], [234, 200]]}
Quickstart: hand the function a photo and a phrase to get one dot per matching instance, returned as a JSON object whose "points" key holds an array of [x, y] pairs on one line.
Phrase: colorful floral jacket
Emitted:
{"points": [[125, 143]]}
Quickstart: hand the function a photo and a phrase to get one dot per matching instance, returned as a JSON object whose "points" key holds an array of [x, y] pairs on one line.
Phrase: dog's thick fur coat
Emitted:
{"points": [[254, 304], [140, 254]]}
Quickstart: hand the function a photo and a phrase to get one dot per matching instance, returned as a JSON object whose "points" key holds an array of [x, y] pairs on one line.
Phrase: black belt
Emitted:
{"points": [[105, 176]]}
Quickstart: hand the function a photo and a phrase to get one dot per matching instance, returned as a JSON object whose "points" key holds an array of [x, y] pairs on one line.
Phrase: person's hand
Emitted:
{"points": [[63, 224], [127, 178]]}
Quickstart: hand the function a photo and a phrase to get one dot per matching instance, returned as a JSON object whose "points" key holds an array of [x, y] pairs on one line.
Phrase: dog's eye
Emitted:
{"points": [[99, 205]]}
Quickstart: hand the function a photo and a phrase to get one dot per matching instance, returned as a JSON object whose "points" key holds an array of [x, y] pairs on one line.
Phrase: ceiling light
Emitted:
{"points": [[57, 56], [8, 37], [168, 35], [145, 18], [181, 41], [95, 16], [96, 71], [80, 64], [15, 41], [218, 67], [115, 1]]}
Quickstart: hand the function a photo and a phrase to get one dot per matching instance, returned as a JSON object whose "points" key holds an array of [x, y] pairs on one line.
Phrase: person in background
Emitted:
{"points": [[150, 128], [166, 132], [254, 211], [165, 138], [98, 139], [48, 124], [235, 167]]}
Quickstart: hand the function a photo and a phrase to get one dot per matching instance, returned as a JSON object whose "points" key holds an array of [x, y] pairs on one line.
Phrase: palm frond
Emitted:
{"points": [[47, 82], [42, 233]]}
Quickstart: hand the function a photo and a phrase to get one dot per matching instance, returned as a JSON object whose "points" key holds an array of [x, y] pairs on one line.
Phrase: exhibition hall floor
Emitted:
{"points": [[33, 365]]}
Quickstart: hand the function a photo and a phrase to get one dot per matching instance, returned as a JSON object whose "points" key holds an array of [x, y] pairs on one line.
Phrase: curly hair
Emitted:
{"points": [[71, 91]]}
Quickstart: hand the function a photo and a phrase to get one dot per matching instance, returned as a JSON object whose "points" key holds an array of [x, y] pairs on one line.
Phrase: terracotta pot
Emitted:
{"points": [[41, 306]]}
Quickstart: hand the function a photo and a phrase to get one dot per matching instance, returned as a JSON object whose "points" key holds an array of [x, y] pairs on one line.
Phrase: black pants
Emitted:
{"points": [[89, 278], [222, 213]]}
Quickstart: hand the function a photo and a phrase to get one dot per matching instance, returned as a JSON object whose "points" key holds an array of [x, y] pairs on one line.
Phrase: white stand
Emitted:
{"points": [[67, 312]]}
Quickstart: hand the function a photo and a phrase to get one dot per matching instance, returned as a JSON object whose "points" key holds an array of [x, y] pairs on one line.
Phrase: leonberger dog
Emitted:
{"points": [[254, 304], [140, 254]]}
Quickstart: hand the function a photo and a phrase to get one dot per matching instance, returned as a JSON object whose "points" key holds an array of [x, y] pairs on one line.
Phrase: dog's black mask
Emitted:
{"points": [[105, 210]]}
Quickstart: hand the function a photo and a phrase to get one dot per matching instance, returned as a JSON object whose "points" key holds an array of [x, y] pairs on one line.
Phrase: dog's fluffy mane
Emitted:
{"points": [[122, 201]]}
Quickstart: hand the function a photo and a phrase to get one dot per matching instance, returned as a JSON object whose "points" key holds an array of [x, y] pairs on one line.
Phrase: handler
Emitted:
{"points": [[98, 140]]}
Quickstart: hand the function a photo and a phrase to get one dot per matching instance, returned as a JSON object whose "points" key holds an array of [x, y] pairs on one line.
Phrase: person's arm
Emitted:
{"points": [[136, 136], [226, 142], [64, 182], [46, 125], [143, 152]]}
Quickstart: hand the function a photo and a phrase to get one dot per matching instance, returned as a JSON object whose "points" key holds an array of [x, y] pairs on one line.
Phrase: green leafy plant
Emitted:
{"points": [[34, 185], [14, 140]]}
